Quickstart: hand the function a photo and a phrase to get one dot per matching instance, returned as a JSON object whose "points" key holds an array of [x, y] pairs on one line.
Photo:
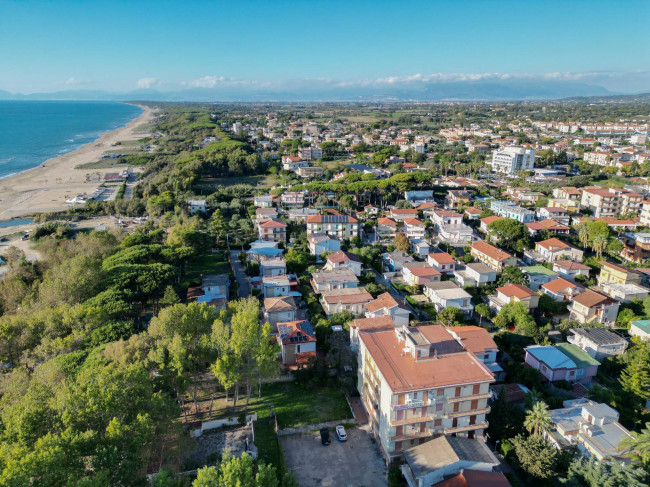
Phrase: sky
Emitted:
{"points": [[120, 46]]}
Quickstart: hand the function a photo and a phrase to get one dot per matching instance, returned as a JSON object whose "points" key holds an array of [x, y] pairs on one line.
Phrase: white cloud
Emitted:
{"points": [[147, 82], [207, 81], [71, 81]]}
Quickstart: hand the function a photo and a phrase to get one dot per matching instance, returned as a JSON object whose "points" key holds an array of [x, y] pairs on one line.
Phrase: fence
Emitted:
{"points": [[312, 427], [218, 423]]}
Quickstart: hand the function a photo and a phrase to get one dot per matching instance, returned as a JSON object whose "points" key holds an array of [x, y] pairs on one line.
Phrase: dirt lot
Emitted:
{"points": [[355, 463]]}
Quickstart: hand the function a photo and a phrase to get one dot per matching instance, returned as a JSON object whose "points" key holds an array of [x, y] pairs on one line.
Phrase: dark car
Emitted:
{"points": [[324, 436]]}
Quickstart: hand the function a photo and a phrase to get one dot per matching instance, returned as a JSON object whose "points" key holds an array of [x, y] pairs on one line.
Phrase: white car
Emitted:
{"points": [[341, 434]]}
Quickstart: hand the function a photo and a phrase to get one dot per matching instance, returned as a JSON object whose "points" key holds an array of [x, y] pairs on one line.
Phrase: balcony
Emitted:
{"points": [[468, 413], [485, 395], [414, 420], [413, 436], [411, 405], [469, 427]]}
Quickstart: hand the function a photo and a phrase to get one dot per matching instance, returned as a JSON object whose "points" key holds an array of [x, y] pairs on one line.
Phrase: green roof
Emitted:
{"points": [[643, 325], [581, 358], [539, 269]]}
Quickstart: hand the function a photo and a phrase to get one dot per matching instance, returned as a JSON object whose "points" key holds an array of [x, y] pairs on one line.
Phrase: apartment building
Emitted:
{"points": [[310, 153], [645, 213], [510, 160], [414, 228], [418, 383], [496, 258], [508, 209], [338, 226], [611, 273], [386, 228], [636, 246], [293, 199], [610, 202]]}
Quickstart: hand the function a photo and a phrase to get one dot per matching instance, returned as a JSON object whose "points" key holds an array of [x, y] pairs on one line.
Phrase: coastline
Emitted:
{"points": [[45, 188]]}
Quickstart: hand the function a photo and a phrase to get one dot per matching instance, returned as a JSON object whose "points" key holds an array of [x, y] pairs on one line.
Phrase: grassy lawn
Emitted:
{"points": [[269, 450], [205, 264], [296, 405]]}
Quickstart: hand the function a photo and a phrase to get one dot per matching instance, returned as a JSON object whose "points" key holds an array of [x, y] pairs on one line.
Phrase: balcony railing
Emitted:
{"points": [[414, 420], [485, 395], [469, 427], [413, 436], [467, 413], [411, 405]]}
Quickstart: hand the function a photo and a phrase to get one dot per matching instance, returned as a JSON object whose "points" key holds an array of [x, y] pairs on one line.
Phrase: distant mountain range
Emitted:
{"points": [[484, 90]]}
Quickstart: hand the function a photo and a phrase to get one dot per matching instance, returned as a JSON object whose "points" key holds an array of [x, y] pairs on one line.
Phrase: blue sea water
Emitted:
{"points": [[32, 132]]}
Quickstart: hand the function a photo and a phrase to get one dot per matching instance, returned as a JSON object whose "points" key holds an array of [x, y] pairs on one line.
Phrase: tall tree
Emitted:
{"points": [[639, 445], [537, 419], [535, 456], [401, 242]]}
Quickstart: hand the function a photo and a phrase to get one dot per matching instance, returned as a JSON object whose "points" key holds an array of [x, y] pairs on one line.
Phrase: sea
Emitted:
{"points": [[31, 132]]}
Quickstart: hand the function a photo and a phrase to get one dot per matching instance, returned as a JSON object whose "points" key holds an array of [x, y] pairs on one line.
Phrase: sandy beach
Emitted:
{"points": [[45, 188]]}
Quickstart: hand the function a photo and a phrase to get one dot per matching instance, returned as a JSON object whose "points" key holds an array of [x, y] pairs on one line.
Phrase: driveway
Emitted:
{"points": [[355, 463], [240, 274]]}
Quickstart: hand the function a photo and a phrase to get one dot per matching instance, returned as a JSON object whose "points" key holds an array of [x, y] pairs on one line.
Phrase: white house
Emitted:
{"points": [[197, 206], [386, 305], [446, 294]]}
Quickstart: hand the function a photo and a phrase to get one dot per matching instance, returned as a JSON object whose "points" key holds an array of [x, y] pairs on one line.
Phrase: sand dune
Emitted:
{"points": [[46, 188]]}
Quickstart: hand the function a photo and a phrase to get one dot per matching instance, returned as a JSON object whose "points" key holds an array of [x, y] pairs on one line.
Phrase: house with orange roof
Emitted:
{"points": [[414, 228], [386, 228], [418, 383], [490, 255], [550, 226], [555, 249], [513, 293], [472, 213], [443, 262], [591, 307], [272, 230], [353, 300], [487, 220], [387, 305], [400, 214], [419, 273], [297, 342], [561, 290], [342, 259]]}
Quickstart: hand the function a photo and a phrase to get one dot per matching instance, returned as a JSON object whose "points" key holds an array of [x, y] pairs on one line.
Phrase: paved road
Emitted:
{"points": [[240, 274]]}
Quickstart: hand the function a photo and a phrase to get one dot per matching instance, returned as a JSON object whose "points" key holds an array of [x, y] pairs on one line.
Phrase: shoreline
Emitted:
{"points": [[45, 188]]}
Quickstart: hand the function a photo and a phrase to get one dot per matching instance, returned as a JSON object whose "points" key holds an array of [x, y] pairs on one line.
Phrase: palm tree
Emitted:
{"points": [[599, 244], [538, 419], [638, 445], [583, 235]]}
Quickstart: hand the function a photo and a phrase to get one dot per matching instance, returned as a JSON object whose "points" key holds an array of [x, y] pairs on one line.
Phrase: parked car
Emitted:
{"points": [[324, 436], [341, 434]]}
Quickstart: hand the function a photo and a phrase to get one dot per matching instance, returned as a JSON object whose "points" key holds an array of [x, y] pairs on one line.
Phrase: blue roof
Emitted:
{"points": [[265, 251], [551, 356]]}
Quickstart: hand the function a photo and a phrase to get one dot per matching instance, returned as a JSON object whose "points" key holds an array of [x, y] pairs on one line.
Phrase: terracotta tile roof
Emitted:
{"points": [[473, 211], [413, 222], [553, 244], [491, 251], [558, 285], [474, 338], [347, 296], [403, 373], [570, 265], [476, 478], [617, 267], [420, 270], [342, 256], [387, 222], [425, 206], [515, 290], [546, 225], [296, 332], [272, 224], [384, 300], [373, 324], [442, 258], [489, 219], [407, 211], [281, 303], [591, 298]]}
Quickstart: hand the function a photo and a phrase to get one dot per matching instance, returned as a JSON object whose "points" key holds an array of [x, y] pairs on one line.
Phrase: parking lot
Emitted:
{"points": [[354, 463]]}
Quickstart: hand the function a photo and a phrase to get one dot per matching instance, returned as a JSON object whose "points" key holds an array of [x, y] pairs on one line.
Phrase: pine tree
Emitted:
{"points": [[636, 378]]}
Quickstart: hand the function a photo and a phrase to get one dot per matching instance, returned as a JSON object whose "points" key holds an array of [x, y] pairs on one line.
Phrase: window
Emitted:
{"points": [[438, 407], [476, 389], [437, 422], [297, 348]]}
